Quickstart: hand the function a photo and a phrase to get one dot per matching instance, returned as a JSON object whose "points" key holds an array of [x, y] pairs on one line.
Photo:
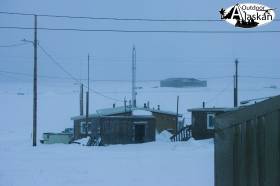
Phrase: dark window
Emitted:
{"points": [[210, 121], [83, 127]]}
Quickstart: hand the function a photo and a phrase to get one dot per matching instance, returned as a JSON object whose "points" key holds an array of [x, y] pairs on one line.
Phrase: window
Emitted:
{"points": [[210, 121], [83, 127]]}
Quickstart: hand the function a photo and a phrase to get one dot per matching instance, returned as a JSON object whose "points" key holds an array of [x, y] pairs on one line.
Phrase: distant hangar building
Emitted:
{"points": [[182, 82]]}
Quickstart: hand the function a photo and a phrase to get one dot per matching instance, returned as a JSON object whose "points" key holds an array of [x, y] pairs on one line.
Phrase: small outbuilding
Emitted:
{"points": [[123, 129], [247, 145], [203, 121], [117, 129], [155, 119], [51, 138]]}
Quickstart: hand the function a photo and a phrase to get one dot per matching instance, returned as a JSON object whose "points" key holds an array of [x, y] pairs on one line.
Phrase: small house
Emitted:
{"points": [[116, 129], [162, 120], [203, 121], [247, 145], [123, 129], [166, 120]]}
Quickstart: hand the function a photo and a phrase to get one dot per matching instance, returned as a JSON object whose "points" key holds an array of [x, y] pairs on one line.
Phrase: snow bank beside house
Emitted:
{"points": [[164, 136], [82, 141]]}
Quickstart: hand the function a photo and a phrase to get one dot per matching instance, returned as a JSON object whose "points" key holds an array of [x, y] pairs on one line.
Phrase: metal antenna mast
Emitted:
{"points": [[133, 77], [35, 84]]}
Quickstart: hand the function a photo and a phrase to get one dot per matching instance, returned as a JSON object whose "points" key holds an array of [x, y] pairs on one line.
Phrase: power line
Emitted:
{"points": [[12, 45], [73, 77], [114, 18], [111, 80], [59, 66], [218, 94], [192, 61], [124, 80], [145, 31], [259, 77]]}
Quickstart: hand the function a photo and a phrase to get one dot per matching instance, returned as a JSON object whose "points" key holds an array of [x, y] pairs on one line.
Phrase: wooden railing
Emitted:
{"points": [[183, 134]]}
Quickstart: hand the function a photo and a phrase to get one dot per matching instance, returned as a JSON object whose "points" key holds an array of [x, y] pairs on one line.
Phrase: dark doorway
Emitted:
{"points": [[139, 133]]}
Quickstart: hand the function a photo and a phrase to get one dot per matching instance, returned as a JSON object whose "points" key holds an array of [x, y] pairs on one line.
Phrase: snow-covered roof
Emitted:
{"points": [[213, 109], [141, 113], [122, 109], [114, 110]]}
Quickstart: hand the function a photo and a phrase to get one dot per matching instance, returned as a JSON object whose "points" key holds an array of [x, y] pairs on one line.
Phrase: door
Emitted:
{"points": [[139, 133]]}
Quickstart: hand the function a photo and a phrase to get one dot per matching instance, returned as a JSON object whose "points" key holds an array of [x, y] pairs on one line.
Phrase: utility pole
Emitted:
{"points": [[35, 84], [236, 84], [177, 114], [81, 92], [133, 99], [88, 73], [125, 104], [81, 99], [87, 100]]}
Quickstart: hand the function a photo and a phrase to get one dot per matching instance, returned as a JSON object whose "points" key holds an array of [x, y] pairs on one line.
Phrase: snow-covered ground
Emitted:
{"points": [[157, 163]]}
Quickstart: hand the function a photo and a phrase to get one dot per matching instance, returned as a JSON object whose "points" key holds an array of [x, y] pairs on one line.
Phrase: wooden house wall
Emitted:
{"points": [[77, 128], [165, 122], [199, 125], [116, 130], [247, 149], [161, 121], [77, 124], [121, 130]]}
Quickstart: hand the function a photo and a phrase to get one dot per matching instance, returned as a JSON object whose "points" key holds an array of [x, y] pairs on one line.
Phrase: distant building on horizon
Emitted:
{"points": [[182, 82]]}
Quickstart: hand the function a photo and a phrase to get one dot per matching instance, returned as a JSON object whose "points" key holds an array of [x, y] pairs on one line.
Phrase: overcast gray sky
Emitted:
{"points": [[159, 55]]}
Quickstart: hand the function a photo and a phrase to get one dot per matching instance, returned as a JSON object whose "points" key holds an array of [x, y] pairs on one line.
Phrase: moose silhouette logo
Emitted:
{"points": [[247, 15]]}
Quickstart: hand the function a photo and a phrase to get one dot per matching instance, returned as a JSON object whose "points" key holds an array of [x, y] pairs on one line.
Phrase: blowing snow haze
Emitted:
{"points": [[143, 132], [159, 55]]}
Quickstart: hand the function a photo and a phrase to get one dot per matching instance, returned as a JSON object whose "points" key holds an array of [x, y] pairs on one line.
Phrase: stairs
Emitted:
{"points": [[94, 141], [184, 134]]}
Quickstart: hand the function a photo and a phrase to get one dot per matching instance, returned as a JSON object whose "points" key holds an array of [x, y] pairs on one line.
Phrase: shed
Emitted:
{"points": [[247, 145], [164, 120], [51, 138], [203, 121], [117, 129]]}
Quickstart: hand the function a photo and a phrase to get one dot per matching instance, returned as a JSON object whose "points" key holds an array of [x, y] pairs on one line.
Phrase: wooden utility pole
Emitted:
{"points": [[125, 104], [81, 99], [236, 84], [87, 100], [35, 84], [177, 114]]}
